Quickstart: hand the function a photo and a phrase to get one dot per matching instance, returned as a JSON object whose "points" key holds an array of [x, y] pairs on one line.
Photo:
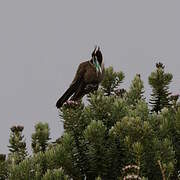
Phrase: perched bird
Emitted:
{"points": [[87, 79]]}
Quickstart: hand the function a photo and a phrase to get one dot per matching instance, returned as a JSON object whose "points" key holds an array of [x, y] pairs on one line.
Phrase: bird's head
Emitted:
{"points": [[97, 54], [94, 52]]}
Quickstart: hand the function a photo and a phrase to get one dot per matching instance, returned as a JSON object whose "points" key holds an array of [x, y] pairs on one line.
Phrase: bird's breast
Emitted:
{"points": [[91, 76]]}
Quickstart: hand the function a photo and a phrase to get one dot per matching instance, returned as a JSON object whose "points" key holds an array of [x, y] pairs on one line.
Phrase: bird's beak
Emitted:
{"points": [[94, 52]]}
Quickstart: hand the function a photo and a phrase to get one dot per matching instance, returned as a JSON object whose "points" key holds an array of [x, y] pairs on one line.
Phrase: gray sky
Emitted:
{"points": [[42, 42]]}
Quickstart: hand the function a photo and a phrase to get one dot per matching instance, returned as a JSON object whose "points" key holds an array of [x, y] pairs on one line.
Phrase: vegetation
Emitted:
{"points": [[159, 80], [117, 135]]}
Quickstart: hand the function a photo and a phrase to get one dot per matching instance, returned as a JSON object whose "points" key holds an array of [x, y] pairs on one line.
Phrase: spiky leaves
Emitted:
{"points": [[3, 167], [40, 137], [111, 80], [56, 174], [136, 90], [159, 81], [17, 145]]}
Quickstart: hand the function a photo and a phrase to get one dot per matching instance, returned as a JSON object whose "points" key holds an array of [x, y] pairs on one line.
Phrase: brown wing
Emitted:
{"points": [[79, 73], [74, 87]]}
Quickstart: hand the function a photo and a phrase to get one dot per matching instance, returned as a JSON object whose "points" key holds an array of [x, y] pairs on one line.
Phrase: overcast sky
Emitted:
{"points": [[42, 42]]}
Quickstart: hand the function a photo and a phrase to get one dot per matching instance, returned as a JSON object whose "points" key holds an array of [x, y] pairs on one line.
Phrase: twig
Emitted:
{"points": [[162, 170]]}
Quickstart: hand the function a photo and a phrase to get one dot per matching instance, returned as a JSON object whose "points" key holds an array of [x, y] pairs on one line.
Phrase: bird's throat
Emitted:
{"points": [[97, 65]]}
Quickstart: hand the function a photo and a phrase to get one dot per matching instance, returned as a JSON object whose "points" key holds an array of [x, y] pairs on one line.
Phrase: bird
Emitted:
{"points": [[88, 76]]}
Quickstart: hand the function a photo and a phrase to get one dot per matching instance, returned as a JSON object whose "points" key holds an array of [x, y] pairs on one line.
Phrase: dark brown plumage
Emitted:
{"points": [[88, 76]]}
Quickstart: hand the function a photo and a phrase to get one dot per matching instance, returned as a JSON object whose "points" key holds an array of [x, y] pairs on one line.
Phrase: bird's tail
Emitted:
{"points": [[66, 95]]}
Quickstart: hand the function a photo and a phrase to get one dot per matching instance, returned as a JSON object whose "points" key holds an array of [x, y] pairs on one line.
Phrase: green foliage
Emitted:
{"points": [[3, 167], [136, 90], [159, 81], [55, 174], [98, 178], [108, 109], [25, 170], [175, 133], [95, 137], [111, 80], [40, 138], [36, 166], [113, 136], [17, 145]]}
